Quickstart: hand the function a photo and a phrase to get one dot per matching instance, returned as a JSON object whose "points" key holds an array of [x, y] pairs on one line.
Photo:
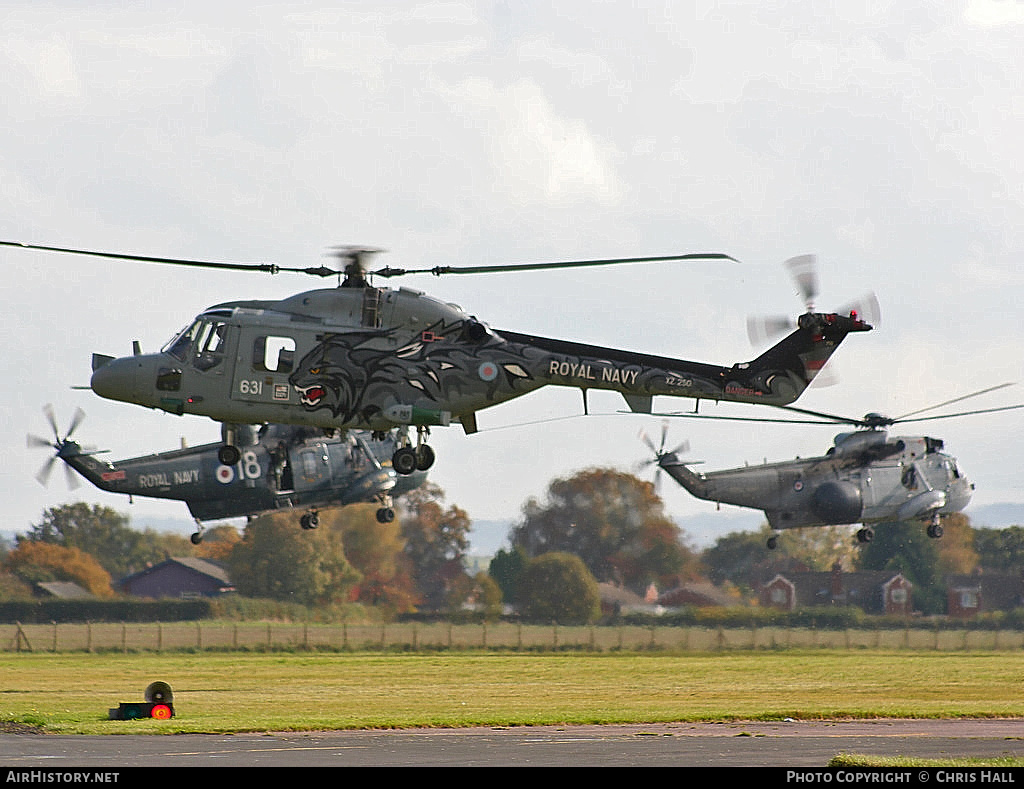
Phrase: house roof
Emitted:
{"points": [[611, 594], [66, 590], [696, 594], [201, 566]]}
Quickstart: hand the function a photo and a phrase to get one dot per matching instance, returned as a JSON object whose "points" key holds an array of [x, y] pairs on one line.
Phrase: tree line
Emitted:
{"points": [[597, 526]]}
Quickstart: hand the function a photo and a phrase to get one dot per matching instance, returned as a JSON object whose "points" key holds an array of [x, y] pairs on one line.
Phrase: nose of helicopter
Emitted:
{"points": [[115, 379], [959, 495]]}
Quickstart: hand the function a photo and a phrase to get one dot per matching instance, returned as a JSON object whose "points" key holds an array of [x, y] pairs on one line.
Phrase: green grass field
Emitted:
{"points": [[233, 692]]}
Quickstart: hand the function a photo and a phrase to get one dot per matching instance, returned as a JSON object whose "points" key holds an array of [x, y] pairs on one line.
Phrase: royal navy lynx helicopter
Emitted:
{"points": [[361, 357], [867, 476], [281, 467]]}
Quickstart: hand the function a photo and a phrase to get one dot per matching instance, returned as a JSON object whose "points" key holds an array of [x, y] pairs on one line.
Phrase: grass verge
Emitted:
{"points": [[235, 692]]}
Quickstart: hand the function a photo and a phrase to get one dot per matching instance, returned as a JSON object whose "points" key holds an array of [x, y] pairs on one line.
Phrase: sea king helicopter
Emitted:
{"points": [[363, 357], [866, 477], [281, 467]]}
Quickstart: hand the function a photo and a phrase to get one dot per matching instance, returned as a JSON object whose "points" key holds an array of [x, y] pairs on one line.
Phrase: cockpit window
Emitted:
{"points": [[201, 344], [181, 342]]}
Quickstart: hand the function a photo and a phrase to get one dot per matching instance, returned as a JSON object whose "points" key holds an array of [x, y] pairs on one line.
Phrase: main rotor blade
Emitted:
{"points": [[439, 270], [326, 271], [829, 421], [954, 400], [272, 268], [963, 413]]}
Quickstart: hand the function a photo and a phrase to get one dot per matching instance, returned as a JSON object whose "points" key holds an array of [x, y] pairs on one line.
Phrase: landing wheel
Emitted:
{"points": [[934, 531], [424, 457], [309, 521], [865, 535], [773, 543], [229, 455], [196, 538], [385, 515], [404, 460]]}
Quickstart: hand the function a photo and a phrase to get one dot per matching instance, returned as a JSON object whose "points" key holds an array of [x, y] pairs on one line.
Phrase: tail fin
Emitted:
{"points": [[786, 369]]}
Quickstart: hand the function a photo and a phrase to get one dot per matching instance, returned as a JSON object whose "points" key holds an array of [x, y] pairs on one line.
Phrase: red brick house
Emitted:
{"points": [[876, 592], [970, 595]]}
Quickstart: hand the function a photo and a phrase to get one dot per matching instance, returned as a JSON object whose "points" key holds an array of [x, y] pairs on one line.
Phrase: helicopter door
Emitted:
{"points": [[314, 467], [265, 360]]}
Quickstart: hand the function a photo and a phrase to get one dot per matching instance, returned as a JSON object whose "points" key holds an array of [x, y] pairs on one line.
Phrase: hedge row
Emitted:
{"points": [[43, 611]]}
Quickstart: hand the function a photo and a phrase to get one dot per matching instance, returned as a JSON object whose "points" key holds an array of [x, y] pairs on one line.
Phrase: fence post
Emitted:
{"points": [[22, 637], [54, 635]]}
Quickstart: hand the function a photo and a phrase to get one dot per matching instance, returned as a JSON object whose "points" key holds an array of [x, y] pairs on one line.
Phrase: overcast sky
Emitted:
{"points": [[882, 136]]}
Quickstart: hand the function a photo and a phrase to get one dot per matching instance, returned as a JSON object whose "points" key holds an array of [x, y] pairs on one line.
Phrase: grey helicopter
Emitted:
{"points": [[866, 477], [362, 357], [282, 467]]}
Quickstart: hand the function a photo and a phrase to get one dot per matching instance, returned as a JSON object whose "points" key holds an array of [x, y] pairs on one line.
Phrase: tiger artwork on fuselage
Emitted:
{"points": [[353, 374]]}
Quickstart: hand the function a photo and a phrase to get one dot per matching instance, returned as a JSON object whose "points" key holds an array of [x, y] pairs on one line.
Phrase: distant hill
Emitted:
{"points": [[996, 516]]}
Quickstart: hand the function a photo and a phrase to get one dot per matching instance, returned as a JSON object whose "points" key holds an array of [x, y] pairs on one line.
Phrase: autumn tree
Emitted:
{"points": [[37, 562], [101, 532], [615, 523], [375, 550], [278, 560], [905, 548], [1000, 549], [436, 541], [487, 595], [957, 554], [218, 543], [558, 587]]}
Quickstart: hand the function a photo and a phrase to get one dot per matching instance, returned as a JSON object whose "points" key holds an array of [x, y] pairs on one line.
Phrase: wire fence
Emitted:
{"points": [[409, 636]]}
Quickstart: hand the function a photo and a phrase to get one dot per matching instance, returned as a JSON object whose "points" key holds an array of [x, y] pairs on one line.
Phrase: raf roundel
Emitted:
{"points": [[225, 474], [488, 371]]}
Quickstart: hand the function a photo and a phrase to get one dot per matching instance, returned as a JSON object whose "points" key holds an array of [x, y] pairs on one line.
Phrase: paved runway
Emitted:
{"points": [[805, 744]]}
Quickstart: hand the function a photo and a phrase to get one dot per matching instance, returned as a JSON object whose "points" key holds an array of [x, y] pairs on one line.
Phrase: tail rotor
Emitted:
{"points": [[660, 452], [803, 270], [64, 446]]}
